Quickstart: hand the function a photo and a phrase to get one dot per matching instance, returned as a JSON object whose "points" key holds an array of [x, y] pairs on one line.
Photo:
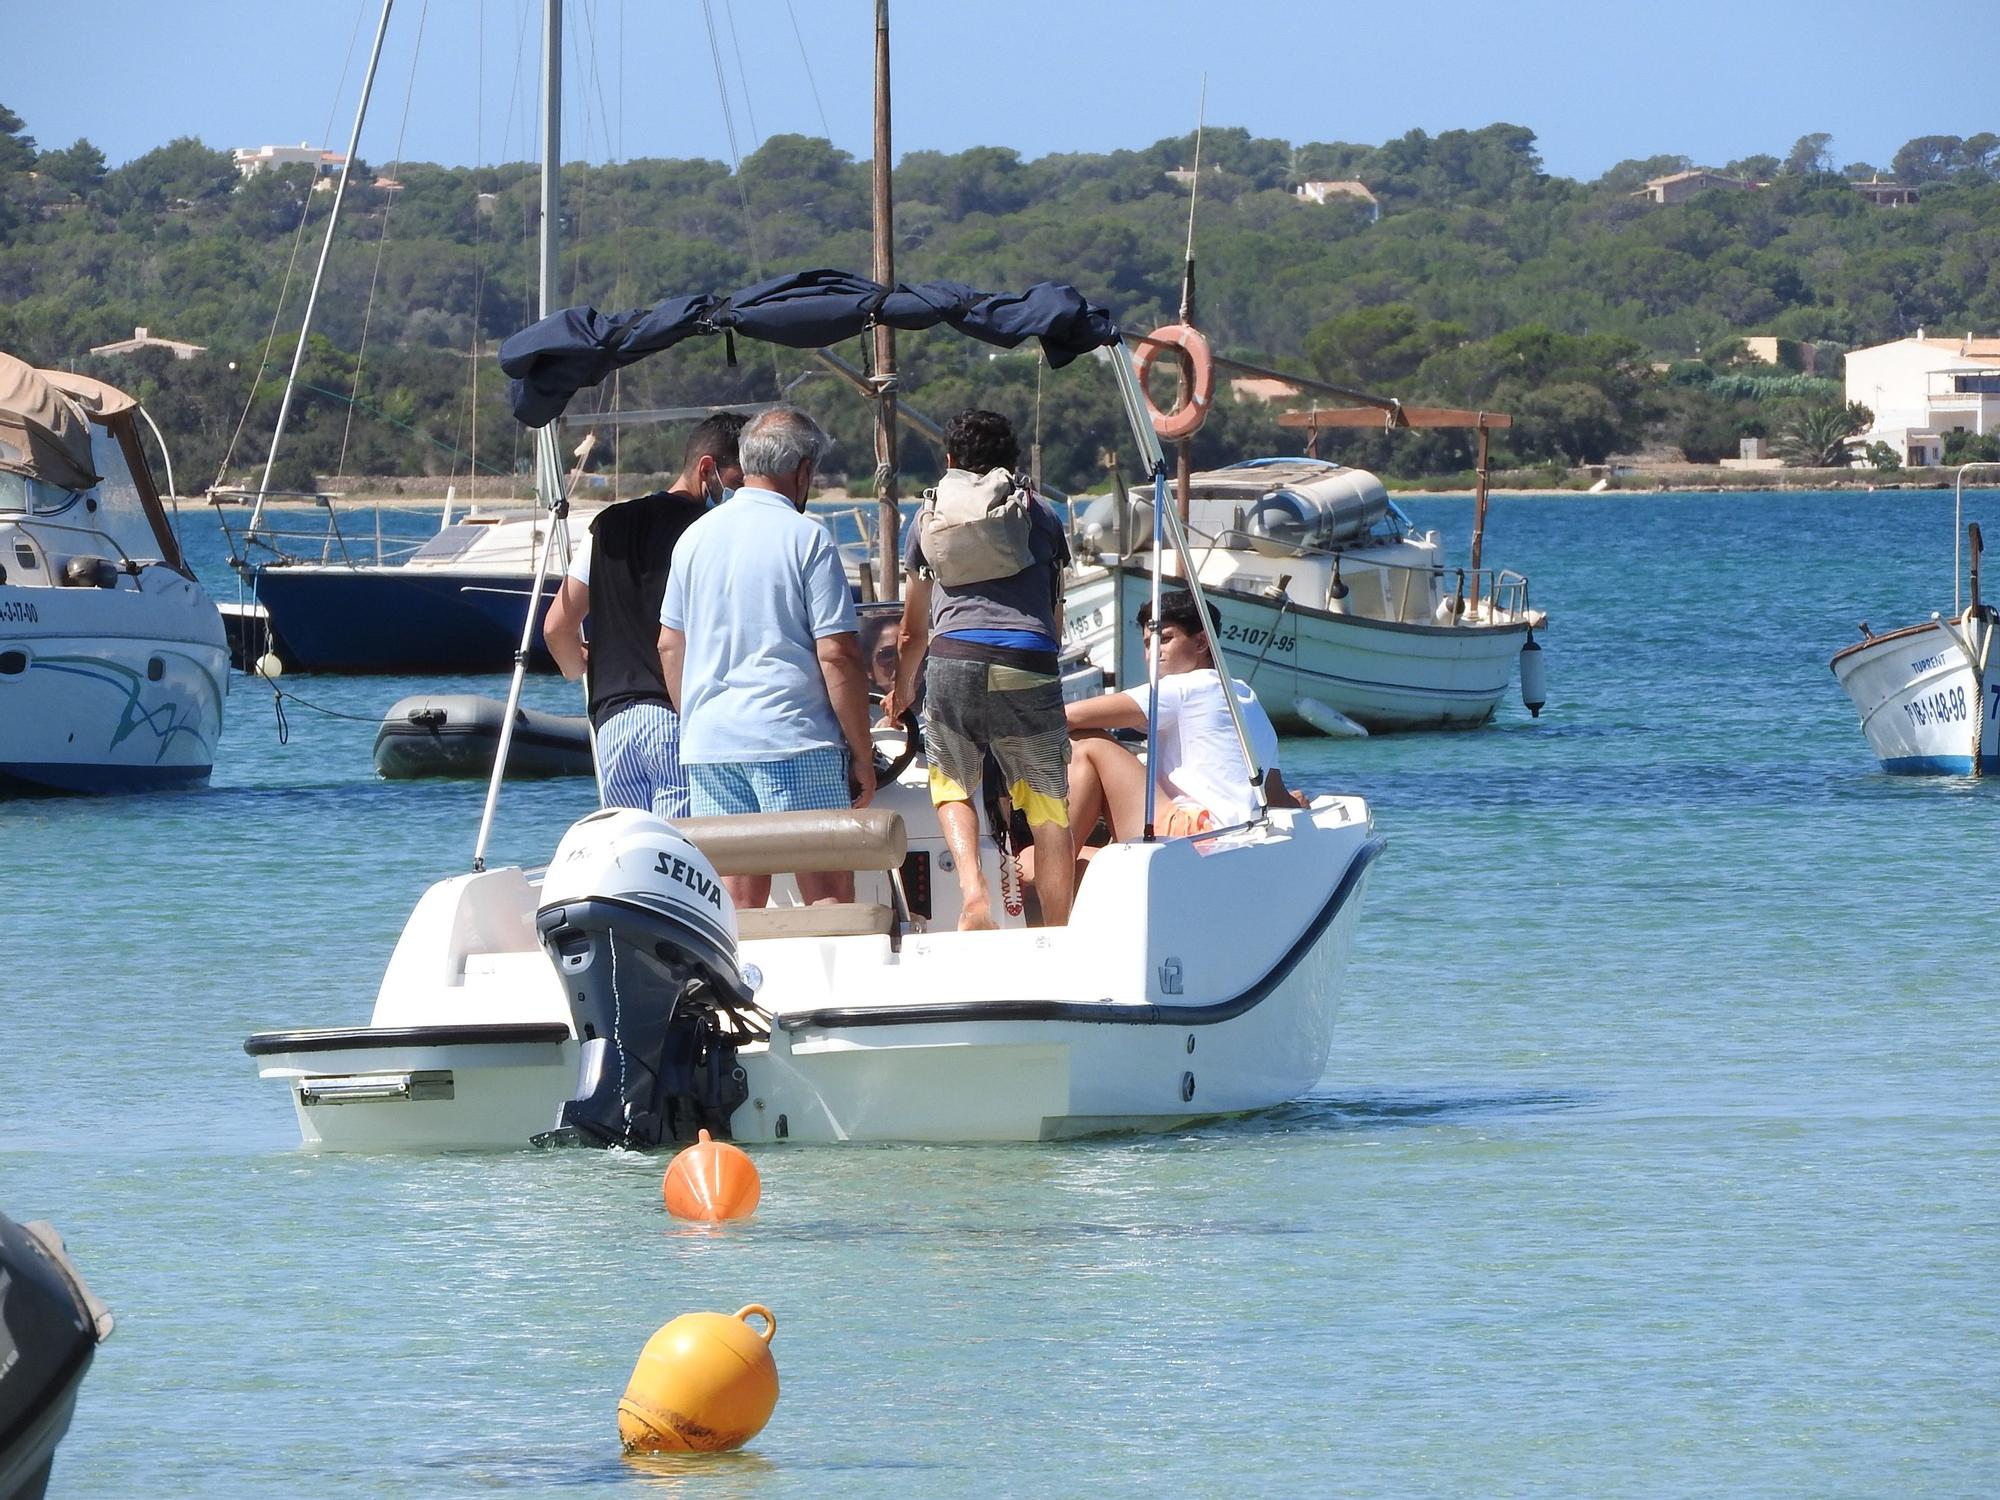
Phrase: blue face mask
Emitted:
{"points": [[721, 499]]}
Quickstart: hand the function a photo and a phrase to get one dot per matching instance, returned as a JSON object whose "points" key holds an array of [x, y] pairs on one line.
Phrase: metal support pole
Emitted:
{"points": [[890, 525]]}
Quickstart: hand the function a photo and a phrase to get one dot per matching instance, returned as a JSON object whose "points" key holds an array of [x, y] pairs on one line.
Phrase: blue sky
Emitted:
{"points": [[1597, 82]]}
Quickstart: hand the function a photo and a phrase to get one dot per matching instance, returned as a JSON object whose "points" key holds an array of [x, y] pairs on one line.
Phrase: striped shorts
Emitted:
{"points": [[639, 760], [972, 707], [811, 781]]}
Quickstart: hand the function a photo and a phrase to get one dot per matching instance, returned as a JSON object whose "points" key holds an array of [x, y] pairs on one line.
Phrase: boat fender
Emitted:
{"points": [[1189, 413], [704, 1383], [1328, 720], [1534, 677], [711, 1181]]}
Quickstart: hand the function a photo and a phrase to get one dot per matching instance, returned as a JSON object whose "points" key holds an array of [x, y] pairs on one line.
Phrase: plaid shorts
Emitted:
{"points": [[811, 781], [973, 707], [639, 758]]}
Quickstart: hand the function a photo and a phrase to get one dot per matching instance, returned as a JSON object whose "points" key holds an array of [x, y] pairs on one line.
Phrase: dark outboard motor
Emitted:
{"points": [[643, 937], [50, 1326]]}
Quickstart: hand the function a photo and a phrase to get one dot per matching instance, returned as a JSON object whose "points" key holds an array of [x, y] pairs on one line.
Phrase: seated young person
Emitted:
{"points": [[1198, 761]]}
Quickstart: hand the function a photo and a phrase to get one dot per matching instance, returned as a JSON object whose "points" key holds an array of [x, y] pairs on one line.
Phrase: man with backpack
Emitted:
{"points": [[983, 592]]}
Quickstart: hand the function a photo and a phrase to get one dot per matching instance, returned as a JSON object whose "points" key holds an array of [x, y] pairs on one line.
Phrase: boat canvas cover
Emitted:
{"points": [[42, 434], [550, 361]]}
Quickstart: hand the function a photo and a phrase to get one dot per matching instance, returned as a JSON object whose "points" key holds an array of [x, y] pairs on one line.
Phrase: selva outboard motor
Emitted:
{"points": [[643, 937]]}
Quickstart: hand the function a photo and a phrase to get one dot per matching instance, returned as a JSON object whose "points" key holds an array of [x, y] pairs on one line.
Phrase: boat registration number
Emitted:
{"points": [[1240, 636], [1945, 706], [19, 611]]}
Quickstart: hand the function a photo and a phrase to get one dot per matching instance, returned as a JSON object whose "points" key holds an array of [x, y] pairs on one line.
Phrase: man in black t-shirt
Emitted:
{"points": [[617, 579]]}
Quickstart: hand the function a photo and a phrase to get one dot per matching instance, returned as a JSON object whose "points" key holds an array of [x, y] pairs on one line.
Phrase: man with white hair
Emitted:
{"points": [[758, 647]]}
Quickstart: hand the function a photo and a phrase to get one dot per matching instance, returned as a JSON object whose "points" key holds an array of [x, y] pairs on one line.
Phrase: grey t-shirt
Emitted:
{"points": [[1027, 601]]}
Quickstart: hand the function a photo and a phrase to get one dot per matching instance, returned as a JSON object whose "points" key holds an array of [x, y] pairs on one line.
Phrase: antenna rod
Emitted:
{"points": [[1184, 449], [889, 524]]}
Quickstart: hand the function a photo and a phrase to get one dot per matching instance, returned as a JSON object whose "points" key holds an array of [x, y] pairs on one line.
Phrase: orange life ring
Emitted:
{"points": [[1187, 416]]}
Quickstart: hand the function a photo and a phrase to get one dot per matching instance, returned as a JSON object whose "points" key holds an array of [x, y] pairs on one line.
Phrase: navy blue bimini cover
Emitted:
{"points": [[552, 360]]}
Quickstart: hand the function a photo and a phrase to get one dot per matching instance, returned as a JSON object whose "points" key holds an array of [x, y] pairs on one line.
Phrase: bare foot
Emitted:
{"points": [[975, 916]]}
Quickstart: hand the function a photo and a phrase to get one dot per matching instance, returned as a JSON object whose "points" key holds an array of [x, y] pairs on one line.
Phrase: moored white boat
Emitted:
{"points": [[1330, 599], [1926, 694], [112, 661]]}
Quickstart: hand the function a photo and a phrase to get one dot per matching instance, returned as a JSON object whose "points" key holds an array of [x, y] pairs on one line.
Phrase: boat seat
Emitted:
{"points": [[833, 919], [782, 843]]}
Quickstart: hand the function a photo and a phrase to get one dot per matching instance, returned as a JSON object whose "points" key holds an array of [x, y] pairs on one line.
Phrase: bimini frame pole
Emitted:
{"points": [[1167, 526], [319, 272], [548, 469]]}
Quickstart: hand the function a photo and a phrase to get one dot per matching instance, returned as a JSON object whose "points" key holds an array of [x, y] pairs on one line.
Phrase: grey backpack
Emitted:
{"points": [[975, 527]]}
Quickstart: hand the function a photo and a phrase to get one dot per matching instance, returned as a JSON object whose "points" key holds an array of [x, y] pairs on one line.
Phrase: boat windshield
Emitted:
{"points": [[122, 512]]}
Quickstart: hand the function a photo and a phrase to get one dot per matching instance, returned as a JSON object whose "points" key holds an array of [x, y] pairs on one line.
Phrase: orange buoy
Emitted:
{"points": [[703, 1384], [711, 1180]]}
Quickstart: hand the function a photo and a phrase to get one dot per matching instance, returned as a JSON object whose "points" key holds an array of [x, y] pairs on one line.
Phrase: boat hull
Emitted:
{"points": [[110, 690], [1124, 1020], [1920, 703], [1388, 676], [401, 619]]}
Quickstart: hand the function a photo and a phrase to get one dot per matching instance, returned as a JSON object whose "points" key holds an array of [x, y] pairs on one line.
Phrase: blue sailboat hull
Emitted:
{"points": [[401, 619]]}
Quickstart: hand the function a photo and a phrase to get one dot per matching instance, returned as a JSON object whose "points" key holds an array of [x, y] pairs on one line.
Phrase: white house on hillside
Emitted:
{"points": [[1921, 388], [250, 160]]}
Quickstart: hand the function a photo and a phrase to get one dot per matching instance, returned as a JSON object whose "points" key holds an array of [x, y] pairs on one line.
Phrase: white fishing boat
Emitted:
{"points": [[1925, 693], [112, 660], [1336, 609]]}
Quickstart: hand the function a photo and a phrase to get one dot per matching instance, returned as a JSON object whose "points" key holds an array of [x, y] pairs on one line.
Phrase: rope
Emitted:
{"points": [[806, 58], [291, 263], [736, 170], [381, 246], [279, 694]]}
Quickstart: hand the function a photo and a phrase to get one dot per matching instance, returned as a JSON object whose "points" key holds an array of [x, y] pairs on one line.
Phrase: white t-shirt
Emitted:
{"points": [[1198, 759], [579, 561]]}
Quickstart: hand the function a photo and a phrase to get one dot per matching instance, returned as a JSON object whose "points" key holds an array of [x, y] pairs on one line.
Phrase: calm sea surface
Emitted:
{"points": [[1659, 1153]]}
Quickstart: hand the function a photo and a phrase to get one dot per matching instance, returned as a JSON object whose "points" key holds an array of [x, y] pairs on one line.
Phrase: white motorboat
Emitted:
{"points": [[1197, 977], [112, 660], [617, 997], [1336, 609], [1926, 700]]}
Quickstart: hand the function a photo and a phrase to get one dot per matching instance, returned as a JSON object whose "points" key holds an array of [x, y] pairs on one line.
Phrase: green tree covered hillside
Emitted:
{"points": [[1604, 322]]}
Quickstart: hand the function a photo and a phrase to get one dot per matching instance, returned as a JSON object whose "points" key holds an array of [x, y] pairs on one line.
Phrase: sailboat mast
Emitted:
{"points": [[319, 272], [889, 526]]}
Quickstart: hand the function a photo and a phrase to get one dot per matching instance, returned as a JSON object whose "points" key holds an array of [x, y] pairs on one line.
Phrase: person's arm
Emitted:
{"points": [[1111, 711], [673, 655], [913, 639], [562, 628], [847, 689]]}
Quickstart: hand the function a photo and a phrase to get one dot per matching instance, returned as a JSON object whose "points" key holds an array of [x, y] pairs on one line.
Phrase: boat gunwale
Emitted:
{"points": [[1101, 1013]]}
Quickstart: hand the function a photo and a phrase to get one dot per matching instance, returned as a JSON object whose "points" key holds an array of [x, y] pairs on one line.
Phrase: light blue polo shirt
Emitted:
{"points": [[755, 584]]}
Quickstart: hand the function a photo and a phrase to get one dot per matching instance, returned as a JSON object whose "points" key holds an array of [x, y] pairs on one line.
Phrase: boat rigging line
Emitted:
{"points": [[319, 274]]}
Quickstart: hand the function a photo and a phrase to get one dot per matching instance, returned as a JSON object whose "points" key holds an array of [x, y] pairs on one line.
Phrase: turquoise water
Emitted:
{"points": [[1657, 1155]]}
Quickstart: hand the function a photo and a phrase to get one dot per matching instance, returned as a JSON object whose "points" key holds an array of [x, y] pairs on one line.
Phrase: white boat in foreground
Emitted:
{"points": [[1925, 693], [112, 661], [617, 997], [1336, 609]]}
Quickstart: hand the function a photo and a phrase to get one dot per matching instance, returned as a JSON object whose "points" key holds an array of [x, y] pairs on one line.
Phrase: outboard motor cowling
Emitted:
{"points": [[643, 937]]}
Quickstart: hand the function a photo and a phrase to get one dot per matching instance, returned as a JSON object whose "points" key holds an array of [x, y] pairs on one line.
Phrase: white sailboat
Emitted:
{"points": [[112, 661], [1925, 692]]}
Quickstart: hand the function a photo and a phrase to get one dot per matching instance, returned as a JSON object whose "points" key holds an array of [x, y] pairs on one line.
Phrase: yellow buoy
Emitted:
{"points": [[711, 1180], [703, 1384]]}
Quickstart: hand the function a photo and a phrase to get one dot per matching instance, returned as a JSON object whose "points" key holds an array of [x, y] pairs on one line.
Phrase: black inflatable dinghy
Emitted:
{"points": [[457, 734], [50, 1327]]}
